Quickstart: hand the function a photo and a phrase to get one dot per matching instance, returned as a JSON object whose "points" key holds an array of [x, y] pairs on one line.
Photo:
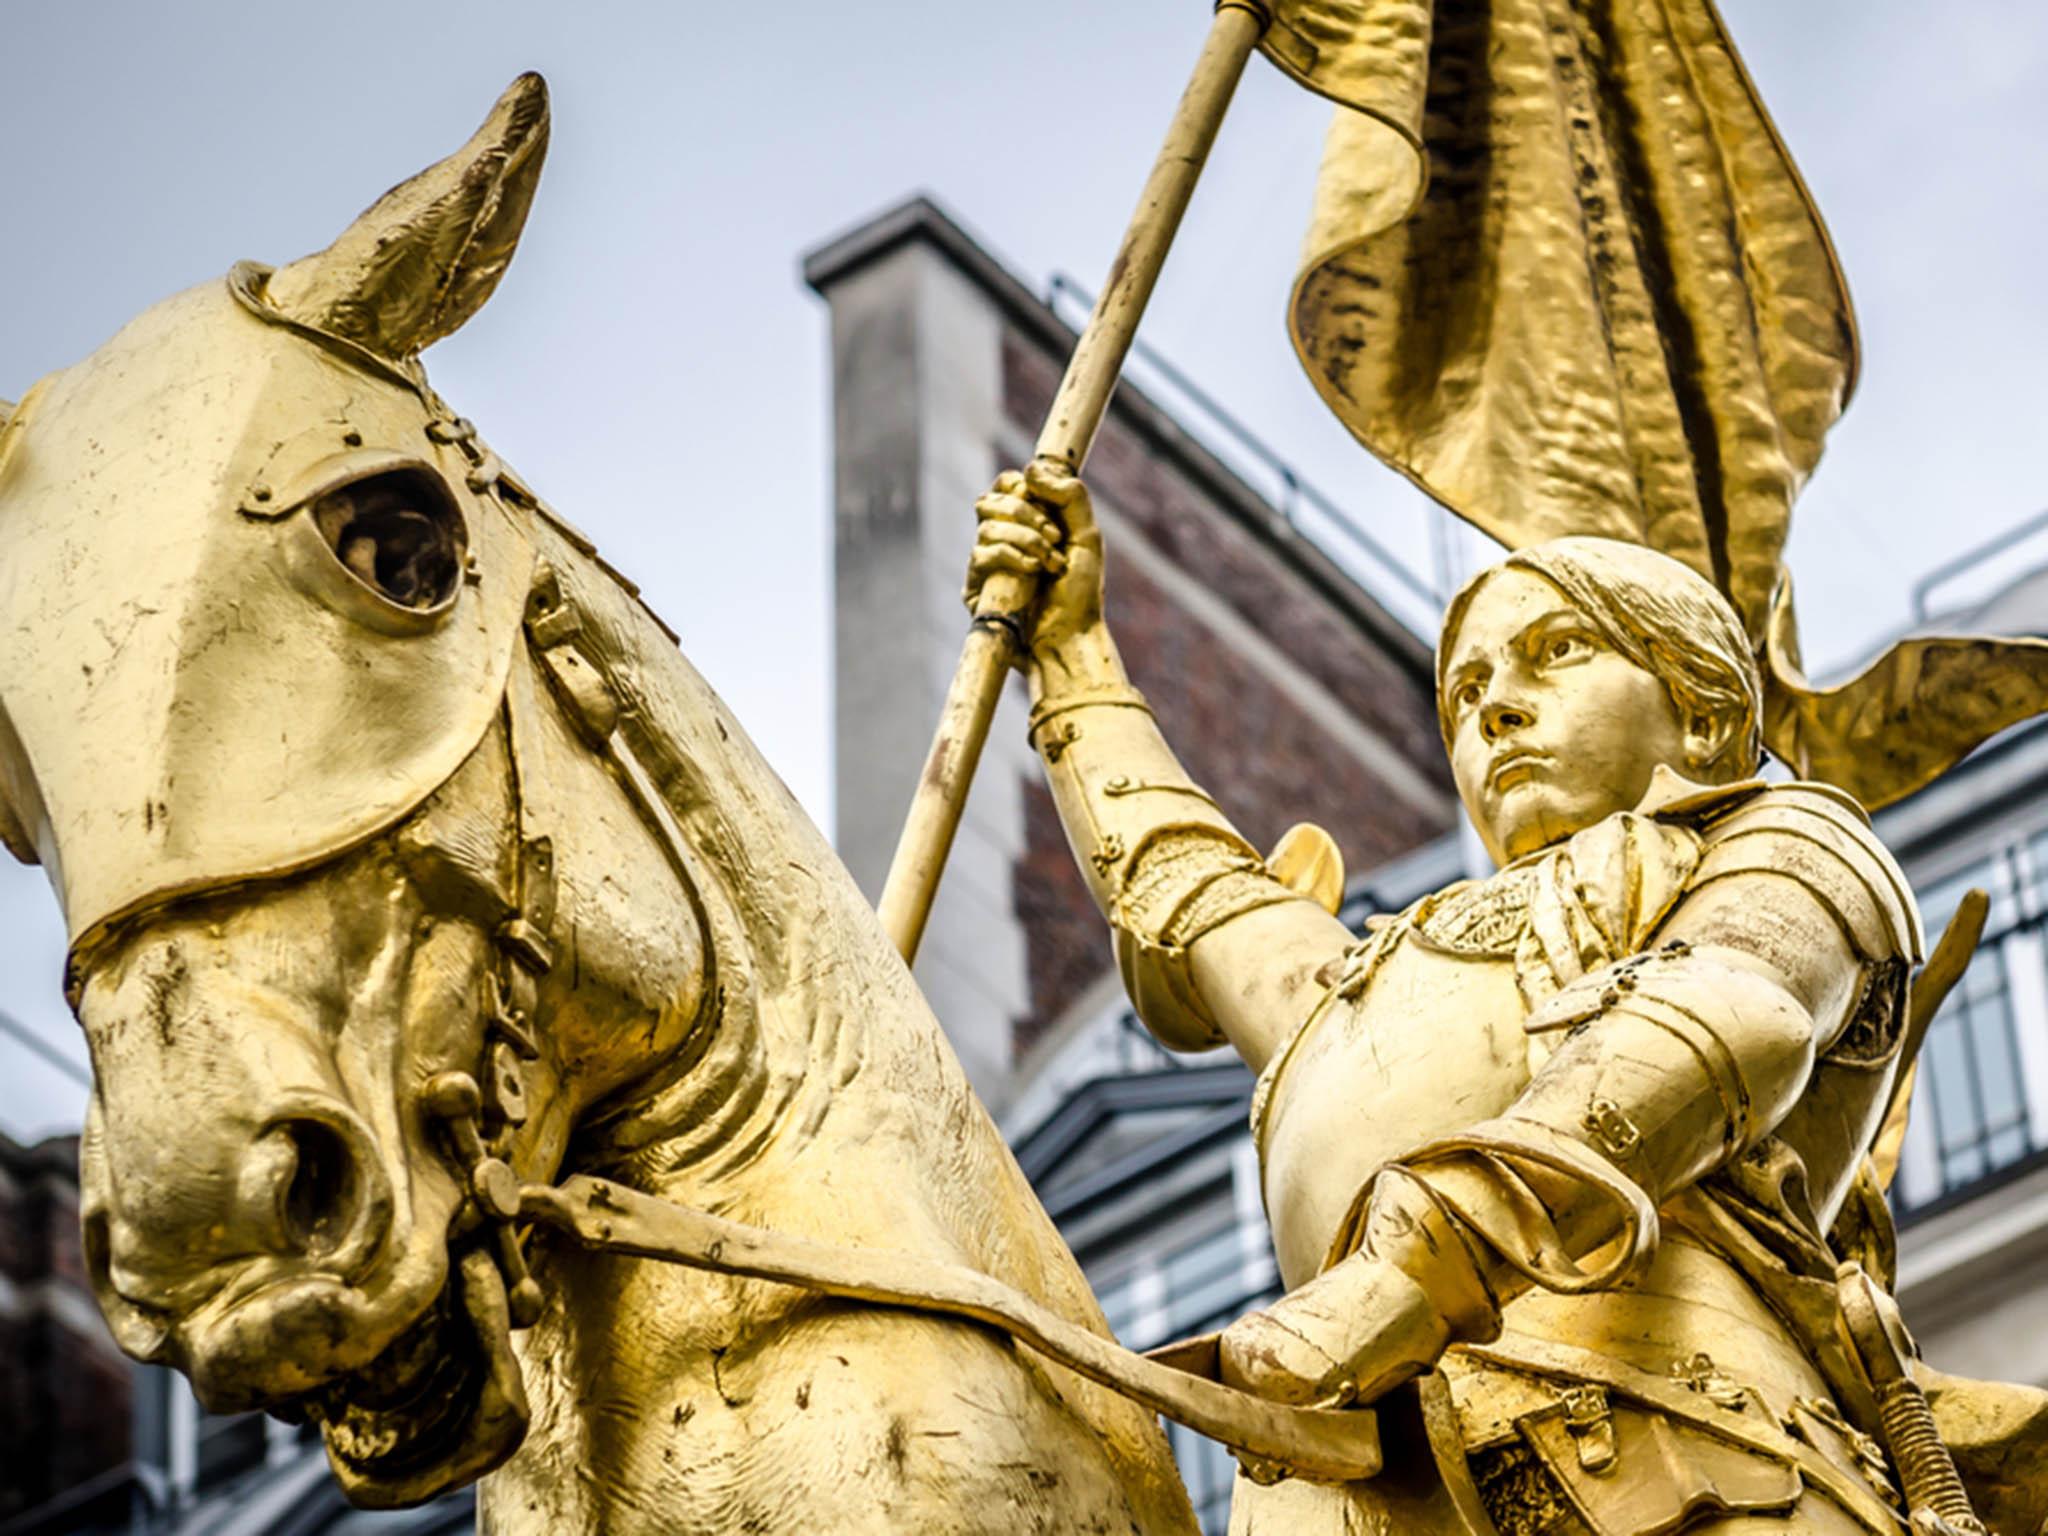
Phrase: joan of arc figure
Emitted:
{"points": [[1572, 1135]]}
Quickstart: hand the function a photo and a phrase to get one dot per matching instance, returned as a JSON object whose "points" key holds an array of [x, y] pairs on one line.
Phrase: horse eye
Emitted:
{"points": [[398, 533]]}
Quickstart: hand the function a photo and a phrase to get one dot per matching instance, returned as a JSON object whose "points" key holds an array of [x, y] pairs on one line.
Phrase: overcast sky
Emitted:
{"points": [[654, 366]]}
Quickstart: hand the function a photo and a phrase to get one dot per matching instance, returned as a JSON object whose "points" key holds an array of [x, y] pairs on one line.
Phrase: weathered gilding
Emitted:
{"points": [[1371, 57], [1614, 311], [428, 253], [232, 728], [1904, 720]]}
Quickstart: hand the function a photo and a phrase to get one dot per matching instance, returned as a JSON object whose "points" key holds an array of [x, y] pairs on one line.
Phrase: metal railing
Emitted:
{"points": [[37, 1046], [1980, 1105], [1925, 588]]}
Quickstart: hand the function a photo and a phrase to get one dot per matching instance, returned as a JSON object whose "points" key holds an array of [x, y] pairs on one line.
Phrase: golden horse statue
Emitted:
{"points": [[401, 851]]}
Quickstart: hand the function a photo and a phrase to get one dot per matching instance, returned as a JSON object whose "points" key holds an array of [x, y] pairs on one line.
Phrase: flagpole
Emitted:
{"points": [[1070, 426]]}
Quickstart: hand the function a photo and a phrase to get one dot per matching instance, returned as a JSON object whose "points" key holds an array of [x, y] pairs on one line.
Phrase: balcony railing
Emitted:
{"points": [[1980, 1106]]}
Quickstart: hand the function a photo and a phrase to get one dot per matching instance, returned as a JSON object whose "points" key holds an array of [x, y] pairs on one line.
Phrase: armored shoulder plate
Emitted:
{"points": [[1819, 837]]}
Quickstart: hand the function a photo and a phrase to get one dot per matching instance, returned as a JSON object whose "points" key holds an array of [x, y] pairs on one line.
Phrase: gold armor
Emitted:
{"points": [[1159, 857], [1642, 1068], [1569, 1169], [1566, 1116]]}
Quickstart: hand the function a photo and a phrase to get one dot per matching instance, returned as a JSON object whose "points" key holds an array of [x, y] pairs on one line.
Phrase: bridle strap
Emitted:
{"points": [[1272, 1439]]}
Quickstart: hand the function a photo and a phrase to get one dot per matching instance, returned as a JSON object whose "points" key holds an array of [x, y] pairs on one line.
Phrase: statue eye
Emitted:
{"points": [[1465, 696], [398, 533], [1566, 647]]}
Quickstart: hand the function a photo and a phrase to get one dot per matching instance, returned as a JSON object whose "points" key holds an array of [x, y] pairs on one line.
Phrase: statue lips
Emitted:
{"points": [[1515, 767]]}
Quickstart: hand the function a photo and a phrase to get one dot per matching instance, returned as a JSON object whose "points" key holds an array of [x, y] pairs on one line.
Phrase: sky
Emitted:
{"points": [[654, 365]]}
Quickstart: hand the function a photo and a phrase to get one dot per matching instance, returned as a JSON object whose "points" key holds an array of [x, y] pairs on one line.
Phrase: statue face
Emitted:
{"points": [[1552, 729]]}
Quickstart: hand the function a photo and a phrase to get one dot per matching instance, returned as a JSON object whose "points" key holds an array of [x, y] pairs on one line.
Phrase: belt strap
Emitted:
{"points": [[1571, 1364]]}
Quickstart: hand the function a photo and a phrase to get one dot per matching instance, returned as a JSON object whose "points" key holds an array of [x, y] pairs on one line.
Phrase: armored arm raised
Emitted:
{"points": [[1183, 890]]}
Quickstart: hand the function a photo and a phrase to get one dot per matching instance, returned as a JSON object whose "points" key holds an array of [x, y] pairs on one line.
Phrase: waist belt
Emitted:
{"points": [[1569, 1364]]}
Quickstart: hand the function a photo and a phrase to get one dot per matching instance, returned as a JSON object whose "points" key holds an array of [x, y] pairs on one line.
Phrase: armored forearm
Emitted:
{"points": [[1163, 863], [1669, 1066], [1792, 941], [1671, 1063], [1788, 943]]}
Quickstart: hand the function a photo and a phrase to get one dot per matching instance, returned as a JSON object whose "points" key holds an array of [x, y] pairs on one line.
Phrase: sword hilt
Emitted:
{"points": [[1936, 1500]]}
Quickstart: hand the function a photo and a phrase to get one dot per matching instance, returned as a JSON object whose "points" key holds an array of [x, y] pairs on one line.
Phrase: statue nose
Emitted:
{"points": [[306, 1184], [306, 1196], [1498, 718]]}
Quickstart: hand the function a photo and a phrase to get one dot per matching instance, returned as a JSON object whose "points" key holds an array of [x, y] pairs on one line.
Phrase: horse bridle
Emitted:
{"points": [[1329, 1442]]}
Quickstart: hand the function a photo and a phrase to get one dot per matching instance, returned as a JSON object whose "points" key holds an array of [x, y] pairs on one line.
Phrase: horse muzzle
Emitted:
{"points": [[406, 1366], [254, 1262]]}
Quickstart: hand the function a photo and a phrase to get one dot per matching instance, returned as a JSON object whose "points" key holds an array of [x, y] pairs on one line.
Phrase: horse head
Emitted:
{"points": [[404, 861], [262, 611]]}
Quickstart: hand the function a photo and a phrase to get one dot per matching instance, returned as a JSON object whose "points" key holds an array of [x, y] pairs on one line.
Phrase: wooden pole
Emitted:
{"points": [[1069, 431]]}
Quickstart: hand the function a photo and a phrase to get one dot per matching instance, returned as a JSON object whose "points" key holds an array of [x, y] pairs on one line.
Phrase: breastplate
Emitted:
{"points": [[1429, 1042]]}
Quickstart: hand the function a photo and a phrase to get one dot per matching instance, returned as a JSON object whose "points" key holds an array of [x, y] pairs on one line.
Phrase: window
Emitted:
{"points": [[1980, 1105]]}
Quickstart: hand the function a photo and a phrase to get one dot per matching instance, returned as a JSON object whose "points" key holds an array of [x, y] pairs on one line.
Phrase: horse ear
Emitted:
{"points": [[428, 253]]}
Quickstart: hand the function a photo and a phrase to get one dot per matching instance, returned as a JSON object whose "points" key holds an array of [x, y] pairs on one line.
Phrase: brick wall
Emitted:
{"points": [[64, 1387], [1290, 691]]}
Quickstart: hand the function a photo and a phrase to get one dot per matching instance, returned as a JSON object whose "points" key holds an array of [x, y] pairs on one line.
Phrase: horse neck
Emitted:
{"points": [[824, 1066], [827, 1105]]}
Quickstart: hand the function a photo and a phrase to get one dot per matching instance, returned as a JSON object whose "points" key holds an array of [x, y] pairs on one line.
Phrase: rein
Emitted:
{"points": [[1328, 1442], [1272, 1440]]}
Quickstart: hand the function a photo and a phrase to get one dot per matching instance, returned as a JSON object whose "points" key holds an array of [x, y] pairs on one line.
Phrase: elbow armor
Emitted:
{"points": [[1163, 863]]}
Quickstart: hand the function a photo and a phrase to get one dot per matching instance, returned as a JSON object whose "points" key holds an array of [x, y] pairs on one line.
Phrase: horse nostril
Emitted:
{"points": [[318, 1200]]}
